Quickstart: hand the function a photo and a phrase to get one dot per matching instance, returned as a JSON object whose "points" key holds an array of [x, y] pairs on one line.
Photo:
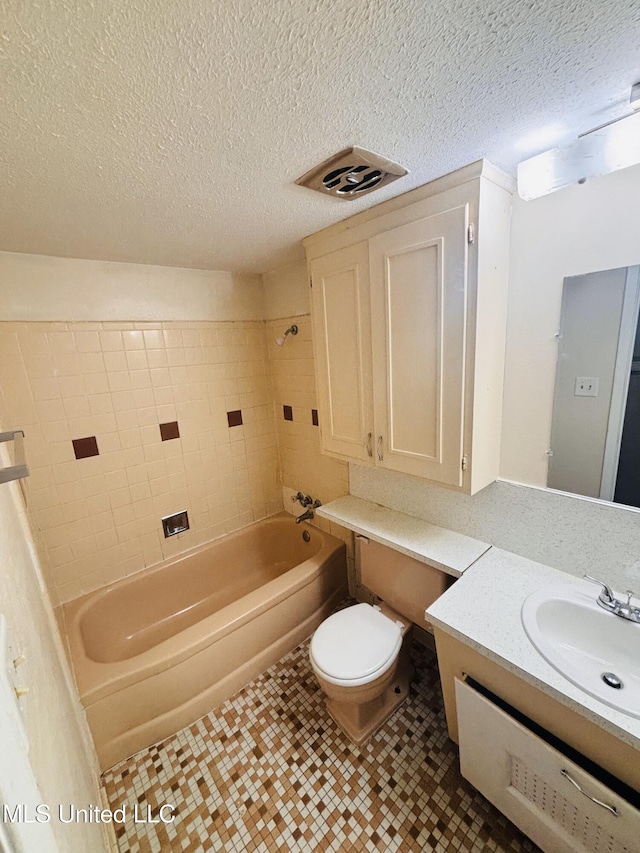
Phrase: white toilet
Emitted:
{"points": [[360, 655]]}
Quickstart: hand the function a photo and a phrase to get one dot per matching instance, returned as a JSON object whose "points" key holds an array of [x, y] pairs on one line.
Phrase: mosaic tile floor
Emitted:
{"points": [[270, 771]]}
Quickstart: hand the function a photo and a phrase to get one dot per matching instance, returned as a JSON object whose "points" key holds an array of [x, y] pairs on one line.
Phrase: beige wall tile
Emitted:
{"points": [[43, 389], [302, 466], [87, 341], [156, 357], [130, 379], [92, 363], [110, 341], [115, 361]]}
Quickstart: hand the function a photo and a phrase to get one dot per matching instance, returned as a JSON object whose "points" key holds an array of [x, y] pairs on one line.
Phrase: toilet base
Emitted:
{"points": [[360, 721]]}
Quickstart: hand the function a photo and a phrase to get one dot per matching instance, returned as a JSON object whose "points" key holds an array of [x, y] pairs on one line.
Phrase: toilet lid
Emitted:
{"points": [[355, 643]]}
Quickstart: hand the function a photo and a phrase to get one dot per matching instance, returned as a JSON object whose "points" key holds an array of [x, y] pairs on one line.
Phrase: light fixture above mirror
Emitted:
{"points": [[599, 151]]}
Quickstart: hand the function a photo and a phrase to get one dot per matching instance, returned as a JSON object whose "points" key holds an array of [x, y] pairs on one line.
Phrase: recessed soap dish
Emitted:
{"points": [[176, 523]]}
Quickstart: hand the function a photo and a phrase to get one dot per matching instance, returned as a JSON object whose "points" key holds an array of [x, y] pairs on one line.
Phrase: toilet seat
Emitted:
{"points": [[355, 646]]}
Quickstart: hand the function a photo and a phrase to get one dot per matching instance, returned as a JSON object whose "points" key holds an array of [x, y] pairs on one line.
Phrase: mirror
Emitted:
{"points": [[595, 432]]}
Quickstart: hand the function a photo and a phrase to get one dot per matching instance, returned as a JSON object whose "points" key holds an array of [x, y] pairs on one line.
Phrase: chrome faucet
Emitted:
{"points": [[608, 601], [307, 515], [305, 500], [310, 503]]}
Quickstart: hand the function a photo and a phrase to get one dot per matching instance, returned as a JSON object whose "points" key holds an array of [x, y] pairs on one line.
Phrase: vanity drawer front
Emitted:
{"points": [[536, 786]]}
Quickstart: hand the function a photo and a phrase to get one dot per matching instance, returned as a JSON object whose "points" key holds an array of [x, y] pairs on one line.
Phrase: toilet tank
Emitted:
{"points": [[404, 583]]}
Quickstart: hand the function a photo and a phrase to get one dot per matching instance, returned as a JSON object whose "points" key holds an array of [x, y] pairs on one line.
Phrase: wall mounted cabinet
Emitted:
{"points": [[408, 307], [341, 314]]}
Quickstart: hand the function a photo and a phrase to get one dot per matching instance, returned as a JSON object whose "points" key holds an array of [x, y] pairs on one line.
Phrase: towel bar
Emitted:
{"points": [[19, 468]]}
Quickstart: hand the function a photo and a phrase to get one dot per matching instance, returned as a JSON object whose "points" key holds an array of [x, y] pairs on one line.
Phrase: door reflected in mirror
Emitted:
{"points": [[595, 431]]}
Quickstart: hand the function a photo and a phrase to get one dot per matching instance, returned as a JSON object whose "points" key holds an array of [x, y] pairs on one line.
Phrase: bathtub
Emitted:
{"points": [[154, 652]]}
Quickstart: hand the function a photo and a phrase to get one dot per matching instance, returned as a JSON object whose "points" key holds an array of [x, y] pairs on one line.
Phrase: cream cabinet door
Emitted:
{"points": [[342, 340], [560, 805], [418, 275]]}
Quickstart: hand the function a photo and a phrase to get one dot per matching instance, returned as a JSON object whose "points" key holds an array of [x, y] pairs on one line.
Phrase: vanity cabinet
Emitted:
{"points": [[408, 303], [564, 806], [456, 660]]}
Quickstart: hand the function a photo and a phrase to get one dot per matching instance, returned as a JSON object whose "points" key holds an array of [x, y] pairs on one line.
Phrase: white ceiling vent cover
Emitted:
{"points": [[352, 173]]}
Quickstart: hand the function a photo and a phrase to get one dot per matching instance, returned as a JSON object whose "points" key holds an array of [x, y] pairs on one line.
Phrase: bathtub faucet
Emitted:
{"points": [[308, 514], [305, 500]]}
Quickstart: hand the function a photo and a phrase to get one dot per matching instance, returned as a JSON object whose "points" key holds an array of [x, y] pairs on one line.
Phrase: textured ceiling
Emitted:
{"points": [[165, 132]]}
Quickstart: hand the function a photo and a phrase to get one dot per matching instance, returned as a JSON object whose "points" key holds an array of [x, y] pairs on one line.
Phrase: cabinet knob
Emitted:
{"points": [[380, 454], [369, 447]]}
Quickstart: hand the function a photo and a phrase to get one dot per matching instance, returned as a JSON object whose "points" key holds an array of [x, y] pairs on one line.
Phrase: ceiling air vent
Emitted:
{"points": [[352, 173]]}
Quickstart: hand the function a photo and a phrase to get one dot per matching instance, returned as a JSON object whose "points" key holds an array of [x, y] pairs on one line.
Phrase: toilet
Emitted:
{"points": [[360, 655]]}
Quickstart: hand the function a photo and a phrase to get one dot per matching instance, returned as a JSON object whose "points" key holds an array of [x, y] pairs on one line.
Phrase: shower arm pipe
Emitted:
{"points": [[292, 330]]}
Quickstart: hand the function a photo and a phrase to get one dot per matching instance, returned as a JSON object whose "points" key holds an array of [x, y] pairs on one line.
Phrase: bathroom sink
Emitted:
{"points": [[584, 642]]}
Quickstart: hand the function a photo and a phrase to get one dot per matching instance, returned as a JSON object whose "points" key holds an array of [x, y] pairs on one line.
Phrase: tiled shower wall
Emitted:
{"points": [[302, 466], [181, 416]]}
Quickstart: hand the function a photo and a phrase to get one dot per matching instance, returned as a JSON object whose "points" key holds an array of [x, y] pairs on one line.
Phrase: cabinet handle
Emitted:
{"points": [[612, 809], [369, 447], [380, 454]]}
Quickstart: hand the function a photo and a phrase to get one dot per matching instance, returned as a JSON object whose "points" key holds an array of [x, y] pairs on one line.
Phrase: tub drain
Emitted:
{"points": [[612, 680]]}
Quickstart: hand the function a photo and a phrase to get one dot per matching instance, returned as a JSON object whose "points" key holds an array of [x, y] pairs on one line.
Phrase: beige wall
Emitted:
{"points": [[286, 292], [576, 230], [60, 753], [39, 287]]}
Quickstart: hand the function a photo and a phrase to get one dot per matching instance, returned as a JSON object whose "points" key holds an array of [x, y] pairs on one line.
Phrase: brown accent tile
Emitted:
{"points": [[169, 430], [235, 418], [288, 413], [314, 417], [85, 447]]}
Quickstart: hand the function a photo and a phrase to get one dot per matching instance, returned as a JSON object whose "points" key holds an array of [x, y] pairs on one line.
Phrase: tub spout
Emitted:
{"points": [[307, 515]]}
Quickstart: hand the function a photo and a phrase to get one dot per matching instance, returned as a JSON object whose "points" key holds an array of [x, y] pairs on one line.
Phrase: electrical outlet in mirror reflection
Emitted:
{"points": [[176, 523], [586, 386]]}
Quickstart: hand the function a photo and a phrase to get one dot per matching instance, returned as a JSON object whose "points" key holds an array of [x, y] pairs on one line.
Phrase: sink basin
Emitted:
{"points": [[583, 642]]}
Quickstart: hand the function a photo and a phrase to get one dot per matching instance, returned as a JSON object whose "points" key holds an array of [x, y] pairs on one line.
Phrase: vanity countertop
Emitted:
{"points": [[446, 550], [482, 610]]}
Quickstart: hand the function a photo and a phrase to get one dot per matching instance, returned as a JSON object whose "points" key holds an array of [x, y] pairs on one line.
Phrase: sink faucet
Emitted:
{"points": [[627, 610], [608, 601]]}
